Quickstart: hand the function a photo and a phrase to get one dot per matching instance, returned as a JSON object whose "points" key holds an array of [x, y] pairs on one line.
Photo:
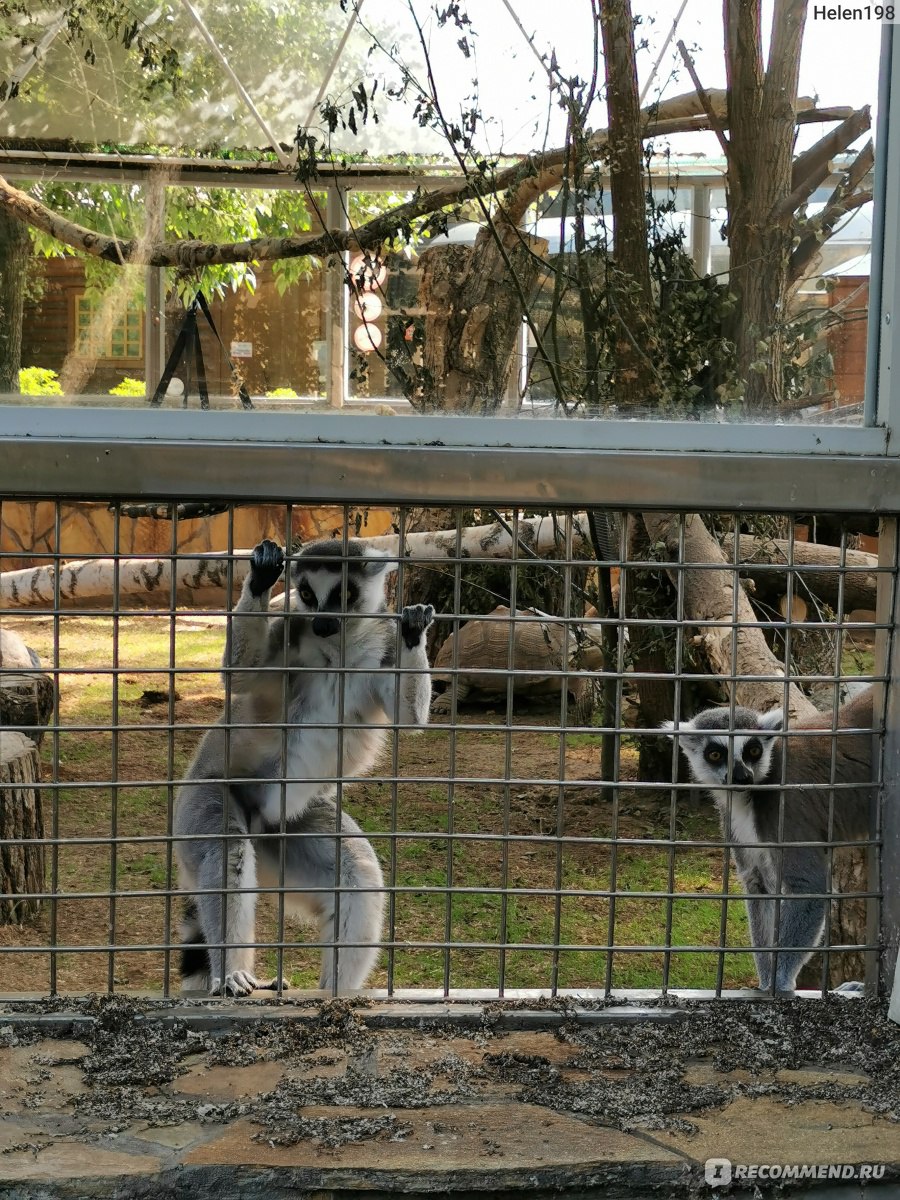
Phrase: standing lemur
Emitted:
{"points": [[743, 748], [323, 669]]}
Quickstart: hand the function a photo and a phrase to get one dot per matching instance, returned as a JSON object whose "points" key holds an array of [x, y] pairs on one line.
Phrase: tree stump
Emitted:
{"points": [[26, 703], [21, 866]]}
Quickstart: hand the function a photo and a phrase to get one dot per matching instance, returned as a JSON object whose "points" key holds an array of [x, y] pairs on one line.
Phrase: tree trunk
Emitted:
{"points": [[647, 593], [21, 867], [762, 107], [474, 301], [635, 380], [847, 925], [716, 596], [15, 248]]}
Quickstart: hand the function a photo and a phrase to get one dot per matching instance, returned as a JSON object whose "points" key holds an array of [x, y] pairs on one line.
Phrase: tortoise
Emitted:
{"points": [[537, 648]]}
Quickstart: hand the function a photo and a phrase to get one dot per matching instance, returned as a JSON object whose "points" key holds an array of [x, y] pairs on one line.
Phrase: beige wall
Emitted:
{"points": [[28, 528]]}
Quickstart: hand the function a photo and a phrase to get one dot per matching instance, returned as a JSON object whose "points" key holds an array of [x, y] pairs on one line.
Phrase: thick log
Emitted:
{"points": [[710, 598], [757, 557], [21, 818], [15, 655], [847, 924], [26, 702], [94, 578], [474, 298]]}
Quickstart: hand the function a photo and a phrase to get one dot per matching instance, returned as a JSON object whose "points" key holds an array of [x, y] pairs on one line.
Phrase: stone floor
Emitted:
{"points": [[120, 1098]]}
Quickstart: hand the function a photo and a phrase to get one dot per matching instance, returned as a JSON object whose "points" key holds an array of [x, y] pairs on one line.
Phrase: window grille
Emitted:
{"points": [[521, 851], [105, 335]]}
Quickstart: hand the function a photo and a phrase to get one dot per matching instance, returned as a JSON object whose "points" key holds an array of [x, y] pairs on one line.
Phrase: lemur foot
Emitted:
{"points": [[266, 565], [274, 985], [237, 983], [414, 620]]}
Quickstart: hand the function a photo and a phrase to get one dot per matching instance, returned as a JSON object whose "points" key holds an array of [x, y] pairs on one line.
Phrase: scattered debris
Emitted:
{"points": [[646, 1074]]}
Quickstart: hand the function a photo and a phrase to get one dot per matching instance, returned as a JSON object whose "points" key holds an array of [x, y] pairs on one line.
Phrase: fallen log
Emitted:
{"points": [[95, 578], [764, 561]]}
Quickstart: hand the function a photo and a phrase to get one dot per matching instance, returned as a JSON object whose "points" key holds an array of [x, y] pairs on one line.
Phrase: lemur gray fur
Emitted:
{"points": [[750, 815], [234, 782]]}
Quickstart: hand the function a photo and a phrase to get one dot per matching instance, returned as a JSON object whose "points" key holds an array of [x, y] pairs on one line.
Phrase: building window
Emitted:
{"points": [[101, 334]]}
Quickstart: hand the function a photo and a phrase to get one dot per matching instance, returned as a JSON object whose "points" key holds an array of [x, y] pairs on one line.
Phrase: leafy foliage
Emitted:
{"points": [[129, 387], [39, 381]]}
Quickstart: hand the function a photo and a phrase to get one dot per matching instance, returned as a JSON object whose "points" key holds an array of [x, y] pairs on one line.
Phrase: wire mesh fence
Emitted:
{"points": [[276, 770]]}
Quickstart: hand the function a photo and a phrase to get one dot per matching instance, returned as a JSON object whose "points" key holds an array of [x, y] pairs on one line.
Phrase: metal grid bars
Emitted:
{"points": [[540, 833]]}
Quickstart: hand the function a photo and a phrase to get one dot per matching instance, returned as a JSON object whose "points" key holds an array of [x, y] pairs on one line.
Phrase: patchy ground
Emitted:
{"points": [[159, 1099]]}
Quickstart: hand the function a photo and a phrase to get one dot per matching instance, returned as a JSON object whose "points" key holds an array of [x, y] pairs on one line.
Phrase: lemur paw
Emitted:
{"points": [[266, 565], [237, 983], [274, 985], [414, 620]]}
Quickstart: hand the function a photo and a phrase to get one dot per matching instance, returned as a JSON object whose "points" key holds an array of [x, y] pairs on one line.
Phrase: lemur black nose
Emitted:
{"points": [[740, 774], [325, 626]]}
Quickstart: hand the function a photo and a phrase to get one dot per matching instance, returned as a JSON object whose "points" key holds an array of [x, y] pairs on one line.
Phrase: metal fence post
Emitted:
{"points": [[887, 659]]}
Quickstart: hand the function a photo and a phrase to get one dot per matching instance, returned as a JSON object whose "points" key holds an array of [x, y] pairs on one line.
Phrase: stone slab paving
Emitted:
{"points": [[119, 1098]]}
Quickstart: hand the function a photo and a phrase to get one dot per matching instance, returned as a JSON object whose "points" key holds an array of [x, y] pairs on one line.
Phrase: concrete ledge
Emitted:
{"points": [[115, 1098]]}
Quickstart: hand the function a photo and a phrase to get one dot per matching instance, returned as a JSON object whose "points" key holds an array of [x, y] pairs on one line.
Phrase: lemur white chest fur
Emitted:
{"points": [[738, 823], [332, 736]]}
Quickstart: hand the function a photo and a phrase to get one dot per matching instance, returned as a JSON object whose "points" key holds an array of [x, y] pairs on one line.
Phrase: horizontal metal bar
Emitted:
{"points": [[73, 419], [428, 475], [561, 947], [422, 835], [457, 780], [325, 458], [562, 893]]}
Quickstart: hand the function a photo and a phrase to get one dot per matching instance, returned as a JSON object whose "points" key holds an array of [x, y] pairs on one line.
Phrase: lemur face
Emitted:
{"points": [[318, 580], [705, 742]]}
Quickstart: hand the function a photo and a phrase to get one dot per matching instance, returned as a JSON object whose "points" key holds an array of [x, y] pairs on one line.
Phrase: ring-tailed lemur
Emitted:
{"points": [[742, 748], [331, 690]]}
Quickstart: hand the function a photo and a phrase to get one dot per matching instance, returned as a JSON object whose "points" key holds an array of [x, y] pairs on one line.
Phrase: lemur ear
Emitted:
{"points": [[772, 721], [376, 562], [668, 727]]}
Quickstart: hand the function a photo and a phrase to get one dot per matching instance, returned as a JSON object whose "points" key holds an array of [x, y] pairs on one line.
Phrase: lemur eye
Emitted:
{"points": [[714, 754], [307, 595], [753, 752]]}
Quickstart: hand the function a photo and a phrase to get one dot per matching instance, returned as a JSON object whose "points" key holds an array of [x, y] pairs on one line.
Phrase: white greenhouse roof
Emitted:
{"points": [[255, 71]]}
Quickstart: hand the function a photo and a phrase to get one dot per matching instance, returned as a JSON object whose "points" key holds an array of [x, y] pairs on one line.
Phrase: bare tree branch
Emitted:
{"points": [[814, 166], [811, 243], [844, 199], [714, 122], [524, 182], [762, 115]]}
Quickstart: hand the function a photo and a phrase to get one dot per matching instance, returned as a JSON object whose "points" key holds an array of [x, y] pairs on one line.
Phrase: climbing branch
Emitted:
{"points": [[522, 182]]}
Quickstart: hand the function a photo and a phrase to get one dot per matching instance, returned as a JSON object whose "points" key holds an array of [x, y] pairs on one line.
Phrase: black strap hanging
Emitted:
{"points": [[187, 346]]}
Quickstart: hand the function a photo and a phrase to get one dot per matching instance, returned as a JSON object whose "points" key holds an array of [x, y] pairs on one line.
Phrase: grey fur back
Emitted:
{"points": [[808, 760]]}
